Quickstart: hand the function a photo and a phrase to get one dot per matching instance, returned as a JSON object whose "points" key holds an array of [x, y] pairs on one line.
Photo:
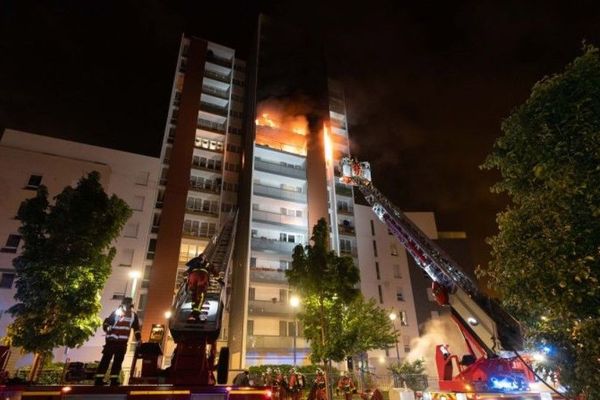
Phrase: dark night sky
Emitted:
{"points": [[427, 83]]}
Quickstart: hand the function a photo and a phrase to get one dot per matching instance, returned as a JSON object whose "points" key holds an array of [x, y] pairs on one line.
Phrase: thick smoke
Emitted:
{"points": [[287, 115], [441, 330]]}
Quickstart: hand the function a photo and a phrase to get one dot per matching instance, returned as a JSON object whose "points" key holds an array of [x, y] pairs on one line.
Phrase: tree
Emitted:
{"points": [[410, 373], [545, 258], [338, 322], [64, 265]]}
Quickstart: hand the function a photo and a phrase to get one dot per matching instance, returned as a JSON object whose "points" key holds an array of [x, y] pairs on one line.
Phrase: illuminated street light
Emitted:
{"points": [[295, 302], [393, 316], [168, 314]]}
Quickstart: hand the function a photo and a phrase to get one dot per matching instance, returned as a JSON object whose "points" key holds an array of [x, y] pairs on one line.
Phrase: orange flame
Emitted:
{"points": [[266, 120], [328, 145]]}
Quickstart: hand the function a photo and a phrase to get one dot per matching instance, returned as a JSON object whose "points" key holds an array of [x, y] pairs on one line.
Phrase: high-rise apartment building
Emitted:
{"points": [[298, 135], [201, 162]]}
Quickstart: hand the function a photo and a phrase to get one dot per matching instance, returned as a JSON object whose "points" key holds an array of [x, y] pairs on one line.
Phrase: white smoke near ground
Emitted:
{"points": [[437, 331]]}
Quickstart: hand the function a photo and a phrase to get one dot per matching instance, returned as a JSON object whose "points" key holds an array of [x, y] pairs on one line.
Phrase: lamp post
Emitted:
{"points": [[295, 302], [393, 318]]}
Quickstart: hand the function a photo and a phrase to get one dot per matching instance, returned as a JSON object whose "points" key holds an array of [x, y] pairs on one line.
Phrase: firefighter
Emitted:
{"points": [[295, 384], [320, 386], [198, 276], [346, 386], [279, 385], [118, 327]]}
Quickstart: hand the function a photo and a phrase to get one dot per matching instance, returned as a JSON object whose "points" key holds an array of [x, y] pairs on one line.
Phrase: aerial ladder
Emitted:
{"points": [[491, 335]]}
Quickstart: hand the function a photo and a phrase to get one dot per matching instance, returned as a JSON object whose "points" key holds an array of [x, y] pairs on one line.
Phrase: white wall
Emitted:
{"points": [[62, 163]]}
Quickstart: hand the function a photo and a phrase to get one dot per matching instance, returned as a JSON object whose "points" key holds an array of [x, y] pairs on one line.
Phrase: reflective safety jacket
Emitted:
{"points": [[117, 327]]}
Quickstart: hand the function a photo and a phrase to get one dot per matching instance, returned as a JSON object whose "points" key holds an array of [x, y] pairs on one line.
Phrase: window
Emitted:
{"points": [[283, 295], [375, 248], [377, 270], [126, 258], [34, 182], [151, 249], [282, 328], [397, 271], [380, 294], [118, 296], [251, 293], [138, 203], [399, 294], [372, 228], [403, 318], [394, 249], [252, 262], [406, 342], [291, 329], [131, 230], [142, 301], [250, 327], [6, 281], [12, 243], [142, 178]]}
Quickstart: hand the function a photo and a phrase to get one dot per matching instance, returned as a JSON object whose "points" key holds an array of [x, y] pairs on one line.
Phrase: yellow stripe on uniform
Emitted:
{"points": [[157, 392]]}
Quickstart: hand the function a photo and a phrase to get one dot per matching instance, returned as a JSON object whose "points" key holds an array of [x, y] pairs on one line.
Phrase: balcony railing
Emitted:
{"points": [[211, 57], [224, 94], [343, 190], [346, 210], [217, 76], [211, 108], [275, 342], [277, 193], [214, 189], [211, 126], [279, 169], [196, 234], [346, 230], [264, 244], [278, 219], [267, 275], [349, 252], [205, 167], [199, 211], [268, 307]]}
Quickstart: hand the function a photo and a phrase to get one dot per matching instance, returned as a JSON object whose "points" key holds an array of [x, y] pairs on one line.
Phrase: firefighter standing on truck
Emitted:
{"points": [[118, 327]]}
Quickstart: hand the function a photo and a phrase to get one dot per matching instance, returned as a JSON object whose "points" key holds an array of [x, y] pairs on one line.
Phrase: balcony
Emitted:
{"points": [[268, 275], [352, 252], [343, 190], [216, 168], [213, 58], [272, 245], [281, 194], [268, 307], [217, 76], [211, 126], [278, 169], [223, 94], [346, 230], [346, 211], [276, 342], [211, 108], [212, 189], [205, 213], [196, 234], [279, 219]]}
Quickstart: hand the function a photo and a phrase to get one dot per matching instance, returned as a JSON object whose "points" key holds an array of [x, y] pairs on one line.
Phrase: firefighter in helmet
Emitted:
{"points": [[198, 277], [346, 386], [118, 327], [295, 384], [319, 389]]}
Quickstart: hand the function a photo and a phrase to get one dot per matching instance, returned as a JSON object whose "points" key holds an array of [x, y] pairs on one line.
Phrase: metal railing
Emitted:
{"points": [[349, 252], [211, 126], [267, 275], [269, 307], [224, 94], [343, 190], [262, 244], [275, 342], [211, 108], [279, 219], [217, 76], [278, 193], [346, 230], [279, 169]]}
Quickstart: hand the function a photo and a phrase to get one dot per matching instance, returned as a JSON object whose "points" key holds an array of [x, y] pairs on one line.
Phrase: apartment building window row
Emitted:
{"points": [[196, 204], [209, 144], [207, 163], [199, 229], [199, 182]]}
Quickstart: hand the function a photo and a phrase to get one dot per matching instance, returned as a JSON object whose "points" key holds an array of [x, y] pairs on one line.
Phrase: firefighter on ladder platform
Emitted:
{"points": [[118, 327], [198, 278]]}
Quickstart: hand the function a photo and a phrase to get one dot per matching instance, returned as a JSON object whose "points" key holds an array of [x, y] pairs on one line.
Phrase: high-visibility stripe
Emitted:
{"points": [[157, 392], [265, 392], [27, 394]]}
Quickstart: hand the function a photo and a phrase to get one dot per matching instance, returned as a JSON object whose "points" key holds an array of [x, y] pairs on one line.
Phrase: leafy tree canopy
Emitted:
{"points": [[337, 320], [546, 255], [410, 374], [64, 265]]}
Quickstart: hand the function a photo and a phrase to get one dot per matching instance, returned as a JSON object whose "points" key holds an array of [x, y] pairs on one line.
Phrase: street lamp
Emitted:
{"points": [[393, 318], [295, 302]]}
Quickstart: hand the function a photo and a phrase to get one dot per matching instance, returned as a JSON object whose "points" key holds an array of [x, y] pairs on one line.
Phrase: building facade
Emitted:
{"points": [[28, 161]]}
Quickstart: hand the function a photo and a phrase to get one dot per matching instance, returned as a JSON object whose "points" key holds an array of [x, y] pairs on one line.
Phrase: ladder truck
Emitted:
{"points": [[491, 335], [194, 362]]}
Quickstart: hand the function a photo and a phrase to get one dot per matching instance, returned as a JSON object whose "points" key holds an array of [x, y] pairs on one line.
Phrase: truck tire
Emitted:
{"points": [[223, 366]]}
